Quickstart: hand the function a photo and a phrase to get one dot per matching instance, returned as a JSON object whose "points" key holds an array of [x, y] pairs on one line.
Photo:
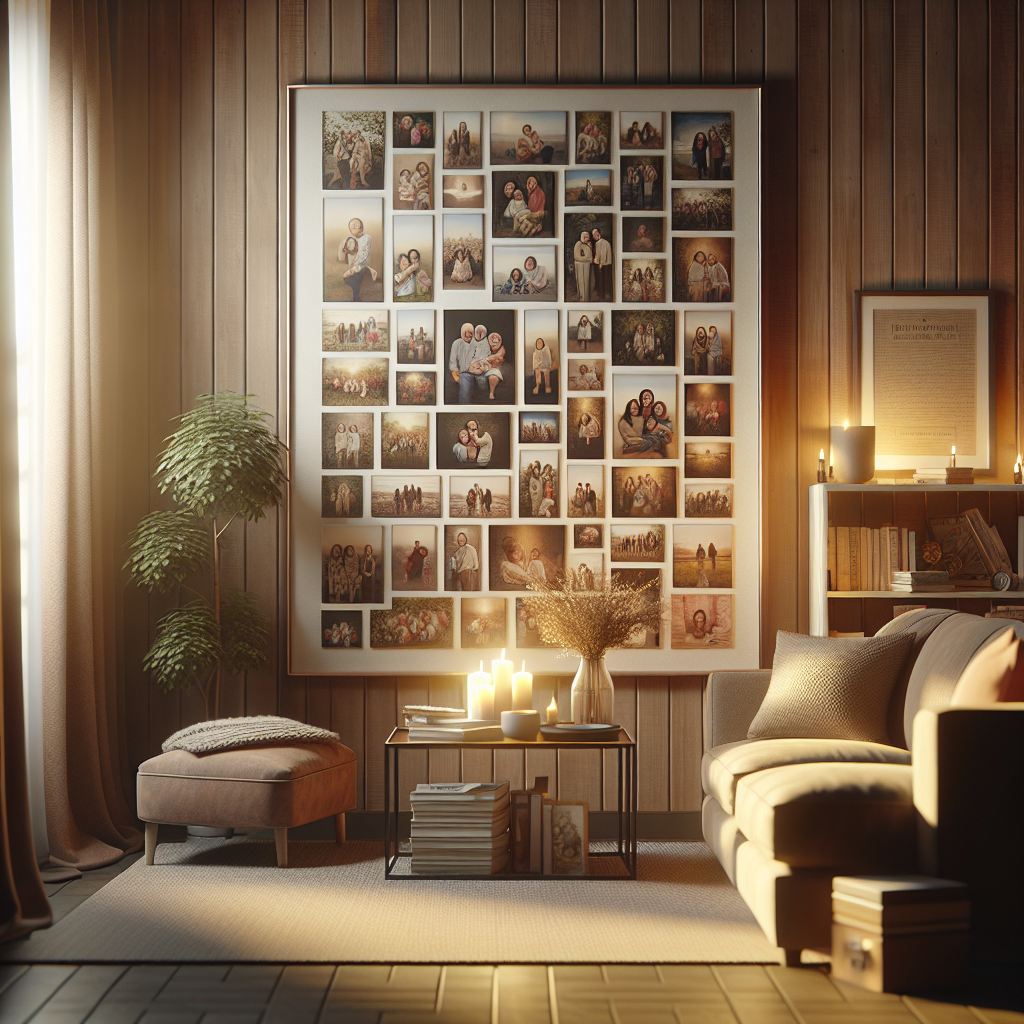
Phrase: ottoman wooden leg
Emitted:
{"points": [[281, 842], [152, 828], [339, 828]]}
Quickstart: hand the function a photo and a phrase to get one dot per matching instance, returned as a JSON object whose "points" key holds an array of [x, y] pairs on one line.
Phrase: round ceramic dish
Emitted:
{"points": [[520, 725], [567, 731]]}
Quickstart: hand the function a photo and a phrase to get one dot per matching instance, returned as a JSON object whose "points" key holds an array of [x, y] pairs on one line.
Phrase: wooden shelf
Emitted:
{"points": [[909, 505]]}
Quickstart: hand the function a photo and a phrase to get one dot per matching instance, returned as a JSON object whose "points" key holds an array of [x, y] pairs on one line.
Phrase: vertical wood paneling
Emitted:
{"points": [[509, 47], [779, 424], [133, 102], [652, 41], [541, 41], [445, 56], [414, 767], [291, 69], [652, 742], [940, 85], [413, 37], [380, 702], [844, 231], [1004, 215], [261, 348], [685, 738], [348, 40], [579, 771], [445, 692], [164, 287], [875, 184], [812, 255], [620, 37], [750, 15], [229, 247], [973, 156], [717, 42], [908, 143], [685, 35], [579, 41], [625, 715], [381, 32], [348, 710], [478, 42], [876, 145], [318, 41]]}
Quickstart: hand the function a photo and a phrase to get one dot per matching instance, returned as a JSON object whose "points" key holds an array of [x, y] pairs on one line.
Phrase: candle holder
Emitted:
{"points": [[853, 454], [520, 725]]}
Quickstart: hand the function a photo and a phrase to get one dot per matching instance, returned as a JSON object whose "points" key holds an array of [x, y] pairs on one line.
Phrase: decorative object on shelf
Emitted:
{"points": [[481, 694], [925, 375], [591, 617], [822, 477], [1018, 478], [952, 457], [501, 677], [591, 732], [520, 725], [522, 690], [853, 453], [552, 712]]}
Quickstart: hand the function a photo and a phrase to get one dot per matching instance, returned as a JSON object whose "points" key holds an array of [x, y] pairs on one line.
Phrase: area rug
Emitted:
{"points": [[217, 901]]}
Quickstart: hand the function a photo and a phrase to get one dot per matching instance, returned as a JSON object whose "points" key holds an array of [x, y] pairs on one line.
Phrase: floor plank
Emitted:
{"points": [[79, 995], [31, 991]]}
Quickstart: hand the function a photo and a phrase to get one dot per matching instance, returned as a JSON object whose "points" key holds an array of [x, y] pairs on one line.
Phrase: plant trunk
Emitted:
{"points": [[216, 619]]}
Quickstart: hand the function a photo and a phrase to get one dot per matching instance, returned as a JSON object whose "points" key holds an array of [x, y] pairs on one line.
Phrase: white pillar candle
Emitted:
{"points": [[501, 677], [479, 686], [552, 712], [522, 690]]}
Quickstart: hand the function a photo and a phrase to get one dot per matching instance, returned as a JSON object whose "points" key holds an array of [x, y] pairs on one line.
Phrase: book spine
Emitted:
{"points": [[536, 803], [545, 839], [904, 553], [884, 572], [912, 554], [521, 833], [875, 555], [843, 558], [894, 551], [865, 558], [854, 558], [833, 578]]}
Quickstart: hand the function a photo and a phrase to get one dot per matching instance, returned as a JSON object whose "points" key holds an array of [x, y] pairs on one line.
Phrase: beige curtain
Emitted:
{"points": [[23, 903], [88, 822]]}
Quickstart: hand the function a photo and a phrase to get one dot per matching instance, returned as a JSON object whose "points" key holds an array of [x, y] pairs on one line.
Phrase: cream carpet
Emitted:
{"points": [[211, 900]]}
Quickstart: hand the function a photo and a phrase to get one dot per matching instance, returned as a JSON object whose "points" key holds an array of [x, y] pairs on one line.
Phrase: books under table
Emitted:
{"points": [[459, 828]]}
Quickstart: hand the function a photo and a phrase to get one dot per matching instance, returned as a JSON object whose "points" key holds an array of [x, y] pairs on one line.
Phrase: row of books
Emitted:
{"points": [[861, 558], [460, 828]]}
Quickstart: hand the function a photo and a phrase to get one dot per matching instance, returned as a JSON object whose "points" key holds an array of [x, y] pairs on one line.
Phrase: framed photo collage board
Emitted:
{"points": [[524, 330]]}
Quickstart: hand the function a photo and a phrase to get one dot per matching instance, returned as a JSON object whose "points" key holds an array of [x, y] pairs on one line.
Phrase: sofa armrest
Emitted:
{"points": [[968, 778], [731, 700]]}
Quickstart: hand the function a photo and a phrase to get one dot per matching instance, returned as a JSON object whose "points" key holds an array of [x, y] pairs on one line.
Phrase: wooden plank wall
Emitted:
{"points": [[892, 135]]}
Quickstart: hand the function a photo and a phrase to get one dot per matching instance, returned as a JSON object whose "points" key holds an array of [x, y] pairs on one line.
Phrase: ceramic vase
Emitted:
{"points": [[593, 695]]}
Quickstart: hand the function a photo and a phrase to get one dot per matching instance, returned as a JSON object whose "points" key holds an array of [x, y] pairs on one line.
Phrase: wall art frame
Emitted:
{"points": [[394, 288], [912, 344]]}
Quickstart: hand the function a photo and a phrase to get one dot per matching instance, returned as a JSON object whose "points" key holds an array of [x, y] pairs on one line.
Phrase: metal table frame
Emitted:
{"points": [[626, 788]]}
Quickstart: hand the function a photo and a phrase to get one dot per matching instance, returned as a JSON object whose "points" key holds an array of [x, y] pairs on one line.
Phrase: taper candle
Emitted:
{"points": [[522, 690], [480, 693], [501, 676]]}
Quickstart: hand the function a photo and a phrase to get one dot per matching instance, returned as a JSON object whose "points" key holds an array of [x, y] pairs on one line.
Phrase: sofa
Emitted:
{"points": [[943, 797]]}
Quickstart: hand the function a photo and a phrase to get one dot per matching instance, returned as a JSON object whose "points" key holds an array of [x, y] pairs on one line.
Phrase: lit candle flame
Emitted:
{"points": [[846, 424]]}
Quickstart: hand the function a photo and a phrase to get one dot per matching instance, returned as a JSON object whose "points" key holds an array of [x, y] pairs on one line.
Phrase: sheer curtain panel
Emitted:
{"points": [[88, 820]]}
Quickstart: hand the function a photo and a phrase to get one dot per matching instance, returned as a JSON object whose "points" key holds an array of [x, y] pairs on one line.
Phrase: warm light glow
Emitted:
{"points": [[952, 451], [846, 424], [821, 455]]}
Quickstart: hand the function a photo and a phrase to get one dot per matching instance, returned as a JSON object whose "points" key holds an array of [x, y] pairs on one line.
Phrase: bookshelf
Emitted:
{"points": [[905, 505]]}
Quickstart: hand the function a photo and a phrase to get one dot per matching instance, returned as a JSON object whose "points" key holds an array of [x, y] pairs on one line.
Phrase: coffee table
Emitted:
{"points": [[624, 847]]}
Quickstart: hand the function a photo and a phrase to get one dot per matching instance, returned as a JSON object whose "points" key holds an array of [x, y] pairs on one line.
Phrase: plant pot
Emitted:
{"points": [[593, 694]]}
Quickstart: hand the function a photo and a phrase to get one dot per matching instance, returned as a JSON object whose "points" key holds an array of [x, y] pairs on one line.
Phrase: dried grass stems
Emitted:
{"points": [[591, 622]]}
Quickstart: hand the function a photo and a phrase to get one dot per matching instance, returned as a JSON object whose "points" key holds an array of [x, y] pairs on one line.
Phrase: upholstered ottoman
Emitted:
{"points": [[275, 787]]}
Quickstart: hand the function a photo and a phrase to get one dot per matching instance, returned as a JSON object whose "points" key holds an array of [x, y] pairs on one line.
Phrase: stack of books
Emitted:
{"points": [[459, 828], [457, 730], [910, 582], [425, 714]]}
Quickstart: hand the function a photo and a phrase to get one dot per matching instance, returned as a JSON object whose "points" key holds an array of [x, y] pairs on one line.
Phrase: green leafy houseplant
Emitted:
{"points": [[222, 463]]}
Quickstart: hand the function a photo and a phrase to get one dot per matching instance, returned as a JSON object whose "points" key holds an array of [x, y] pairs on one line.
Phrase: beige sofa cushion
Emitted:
{"points": [[995, 674], [831, 689], [722, 767], [859, 817]]}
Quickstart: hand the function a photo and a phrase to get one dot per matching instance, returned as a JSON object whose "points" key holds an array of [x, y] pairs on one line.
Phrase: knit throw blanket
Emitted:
{"points": [[234, 733]]}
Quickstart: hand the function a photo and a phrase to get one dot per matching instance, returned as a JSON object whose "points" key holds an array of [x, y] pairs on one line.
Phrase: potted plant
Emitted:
{"points": [[222, 463]]}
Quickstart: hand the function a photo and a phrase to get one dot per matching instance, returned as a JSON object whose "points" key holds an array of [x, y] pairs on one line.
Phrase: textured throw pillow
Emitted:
{"points": [[831, 689], [995, 674]]}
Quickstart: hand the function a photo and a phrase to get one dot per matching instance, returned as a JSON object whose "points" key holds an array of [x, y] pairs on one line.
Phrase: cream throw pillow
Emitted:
{"points": [[831, 689], [993, 675]]}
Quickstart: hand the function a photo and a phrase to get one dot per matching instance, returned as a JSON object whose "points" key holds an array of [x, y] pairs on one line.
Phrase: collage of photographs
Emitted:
{"points": [[527, 319]]}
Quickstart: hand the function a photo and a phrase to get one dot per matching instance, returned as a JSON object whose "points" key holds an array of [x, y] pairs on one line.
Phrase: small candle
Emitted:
{"points": [[481, 694], [1018, 475], [952, 456], [501, 677], [552, 712], [522, 690], [821, 467]]}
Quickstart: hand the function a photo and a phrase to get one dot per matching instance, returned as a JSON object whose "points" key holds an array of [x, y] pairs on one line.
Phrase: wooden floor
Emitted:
{"points": [[458, 994]]}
